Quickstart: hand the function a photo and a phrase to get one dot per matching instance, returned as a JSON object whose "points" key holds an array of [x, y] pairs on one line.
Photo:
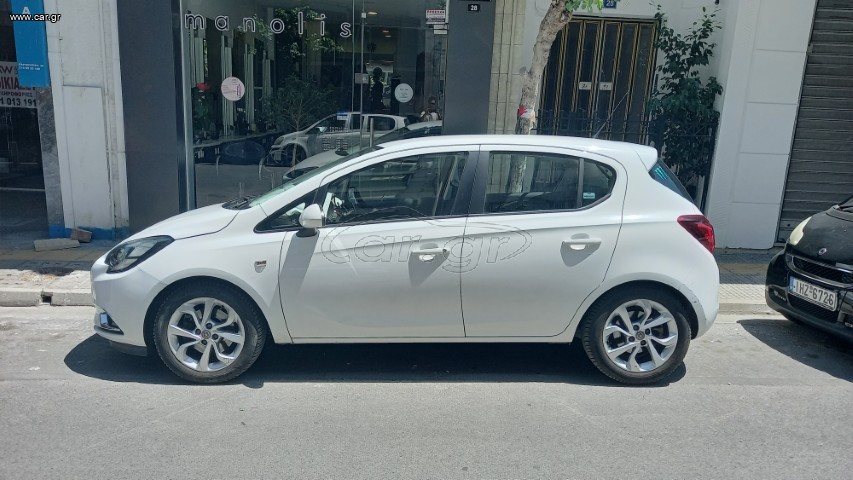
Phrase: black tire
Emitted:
{"points": [[254, 330], [595, 320]]}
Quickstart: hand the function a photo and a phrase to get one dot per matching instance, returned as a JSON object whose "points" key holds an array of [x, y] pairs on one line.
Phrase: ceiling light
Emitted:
{"points": [[373, 13]]}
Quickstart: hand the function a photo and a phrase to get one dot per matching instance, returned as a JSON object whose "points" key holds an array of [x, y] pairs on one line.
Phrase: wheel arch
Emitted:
{"points": [[151, 312], [692, 316]]}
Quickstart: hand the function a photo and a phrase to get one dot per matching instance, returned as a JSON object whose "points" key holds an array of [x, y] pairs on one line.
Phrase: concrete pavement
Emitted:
{"points": [[61, 277]]}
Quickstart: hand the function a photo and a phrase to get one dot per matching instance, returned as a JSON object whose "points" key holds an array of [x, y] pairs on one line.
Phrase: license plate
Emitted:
{"points": [[827, 299]]}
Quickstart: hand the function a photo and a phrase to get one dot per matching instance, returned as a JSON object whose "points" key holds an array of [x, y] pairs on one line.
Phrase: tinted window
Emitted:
{"points": [[404, 188], [382, 124], [663, 175], [288, 216], [598, 182], [331, 125], [521, 182]]}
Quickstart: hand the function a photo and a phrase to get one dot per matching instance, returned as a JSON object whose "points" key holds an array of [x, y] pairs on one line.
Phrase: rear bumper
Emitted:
{"points": [[839, 323]]}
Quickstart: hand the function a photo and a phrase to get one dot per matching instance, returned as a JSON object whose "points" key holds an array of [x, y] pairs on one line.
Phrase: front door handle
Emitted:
{"points": [[581, 243], [429, 254]]}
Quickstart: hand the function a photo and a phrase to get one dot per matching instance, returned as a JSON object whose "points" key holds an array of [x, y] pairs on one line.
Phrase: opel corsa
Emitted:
{"points": [[450, 239]]}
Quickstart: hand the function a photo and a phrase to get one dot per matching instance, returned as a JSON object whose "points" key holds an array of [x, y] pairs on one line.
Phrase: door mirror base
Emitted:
{"points": [[306, 232]]}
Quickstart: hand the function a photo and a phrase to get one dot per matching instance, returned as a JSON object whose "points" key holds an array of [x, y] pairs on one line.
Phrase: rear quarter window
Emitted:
{"points": [[663, 175]]}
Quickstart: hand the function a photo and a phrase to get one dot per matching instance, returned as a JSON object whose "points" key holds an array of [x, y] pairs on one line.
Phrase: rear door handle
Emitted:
{"points": [[429, 254], [581, 243]]}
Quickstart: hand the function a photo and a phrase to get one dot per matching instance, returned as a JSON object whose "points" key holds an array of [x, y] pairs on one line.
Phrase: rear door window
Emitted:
{"points": [[541, 182]]}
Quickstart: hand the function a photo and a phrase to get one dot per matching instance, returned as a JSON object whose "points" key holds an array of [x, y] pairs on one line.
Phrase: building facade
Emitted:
{"points": [[160, 107]]}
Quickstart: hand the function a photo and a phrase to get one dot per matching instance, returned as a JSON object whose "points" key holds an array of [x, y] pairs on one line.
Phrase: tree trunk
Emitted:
{"points": [[555, 19]]}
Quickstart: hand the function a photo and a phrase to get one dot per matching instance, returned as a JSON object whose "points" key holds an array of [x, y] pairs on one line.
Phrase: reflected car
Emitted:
{"points": [[342, 129], [452, 239], [811, 280], [415, 130]]}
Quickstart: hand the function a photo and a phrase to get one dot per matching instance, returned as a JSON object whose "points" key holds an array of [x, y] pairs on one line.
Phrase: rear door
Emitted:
{"points": [[542, 231]]}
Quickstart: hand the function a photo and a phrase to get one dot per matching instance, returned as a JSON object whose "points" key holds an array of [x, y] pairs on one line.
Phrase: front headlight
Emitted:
{"points": [[128, 255], [797, 234]]}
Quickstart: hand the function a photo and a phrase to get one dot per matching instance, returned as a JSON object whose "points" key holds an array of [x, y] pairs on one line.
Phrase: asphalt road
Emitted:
{"points": [[759, 398]]}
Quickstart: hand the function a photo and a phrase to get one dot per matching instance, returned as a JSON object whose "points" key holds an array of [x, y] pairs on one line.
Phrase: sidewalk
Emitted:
{"points": [[57, 277], [61, 277]]}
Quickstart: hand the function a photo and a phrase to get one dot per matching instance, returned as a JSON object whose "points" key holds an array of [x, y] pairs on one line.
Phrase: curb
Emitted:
{"points": [[745, 308], [30, 297], [20, 297], [70, 298]]}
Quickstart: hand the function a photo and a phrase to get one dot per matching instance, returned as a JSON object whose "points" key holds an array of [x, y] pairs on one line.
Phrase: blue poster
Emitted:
{"points": [[31, 42]]}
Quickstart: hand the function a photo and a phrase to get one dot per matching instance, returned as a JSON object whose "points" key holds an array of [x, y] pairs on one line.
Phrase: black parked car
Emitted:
{"points": [[811, 280]]}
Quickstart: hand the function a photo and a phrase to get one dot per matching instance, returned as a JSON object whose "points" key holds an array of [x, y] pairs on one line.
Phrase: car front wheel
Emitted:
{"points": [[637, 335], [208, 333]]}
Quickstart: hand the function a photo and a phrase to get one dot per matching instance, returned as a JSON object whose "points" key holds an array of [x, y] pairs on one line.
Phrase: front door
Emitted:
{"points": [[541, 233], [382, 265]]}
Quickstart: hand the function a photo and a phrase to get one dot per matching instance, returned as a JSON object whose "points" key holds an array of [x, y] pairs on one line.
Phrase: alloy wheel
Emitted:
{"points": [[640, 336], [206, 334]]}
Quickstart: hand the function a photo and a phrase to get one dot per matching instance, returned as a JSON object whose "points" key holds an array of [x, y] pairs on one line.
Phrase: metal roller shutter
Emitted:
{"points": [[821, 170]]}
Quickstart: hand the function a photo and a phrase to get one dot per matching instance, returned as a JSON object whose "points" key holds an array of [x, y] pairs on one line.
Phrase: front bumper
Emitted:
{"points": [[838, 323], [124, 298]]}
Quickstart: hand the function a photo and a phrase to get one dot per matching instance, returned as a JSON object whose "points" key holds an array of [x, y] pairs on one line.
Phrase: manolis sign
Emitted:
{"points": [[276, 25]]}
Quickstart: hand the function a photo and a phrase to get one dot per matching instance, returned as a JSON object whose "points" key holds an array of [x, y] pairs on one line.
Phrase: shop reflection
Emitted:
{"points": [[258, 72]]}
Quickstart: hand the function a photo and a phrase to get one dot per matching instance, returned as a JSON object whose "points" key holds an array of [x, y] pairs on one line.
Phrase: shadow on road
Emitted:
{"points": [[804, 344], [548, 363]]}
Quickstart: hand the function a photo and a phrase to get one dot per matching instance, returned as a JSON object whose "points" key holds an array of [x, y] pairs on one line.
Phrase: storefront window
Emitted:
{"points": [[272, 83]]}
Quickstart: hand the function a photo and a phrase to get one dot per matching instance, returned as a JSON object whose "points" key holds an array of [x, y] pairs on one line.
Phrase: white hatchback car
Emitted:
{"points": [[445, 239]]}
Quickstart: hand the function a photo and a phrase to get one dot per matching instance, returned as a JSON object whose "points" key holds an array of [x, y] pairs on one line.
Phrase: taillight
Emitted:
{"points": [[700, 228]]}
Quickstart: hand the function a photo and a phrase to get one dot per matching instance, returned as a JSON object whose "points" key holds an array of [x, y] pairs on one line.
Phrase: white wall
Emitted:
{"points": [[86, 86], [764, 54]]}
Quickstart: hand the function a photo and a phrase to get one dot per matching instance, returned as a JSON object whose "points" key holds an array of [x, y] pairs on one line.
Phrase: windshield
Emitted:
{"points": [[308, 175]]}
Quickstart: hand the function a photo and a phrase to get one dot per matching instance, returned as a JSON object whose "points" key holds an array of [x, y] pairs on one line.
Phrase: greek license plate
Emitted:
{"points": [[814, 294]]}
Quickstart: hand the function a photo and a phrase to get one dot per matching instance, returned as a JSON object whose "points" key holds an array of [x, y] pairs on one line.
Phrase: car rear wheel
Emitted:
{"points": [[637, 335], [208, 333]]}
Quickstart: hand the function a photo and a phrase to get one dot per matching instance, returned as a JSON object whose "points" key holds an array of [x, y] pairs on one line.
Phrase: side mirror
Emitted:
{"points": [[342, 152], [311, 219]]}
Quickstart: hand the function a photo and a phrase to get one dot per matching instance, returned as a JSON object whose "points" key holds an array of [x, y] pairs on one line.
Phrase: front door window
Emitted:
{"points": [[420, 186]]}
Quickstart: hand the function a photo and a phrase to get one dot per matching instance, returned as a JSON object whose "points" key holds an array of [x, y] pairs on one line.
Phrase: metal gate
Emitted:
{"points": [[820, 173], [599, 77]]}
